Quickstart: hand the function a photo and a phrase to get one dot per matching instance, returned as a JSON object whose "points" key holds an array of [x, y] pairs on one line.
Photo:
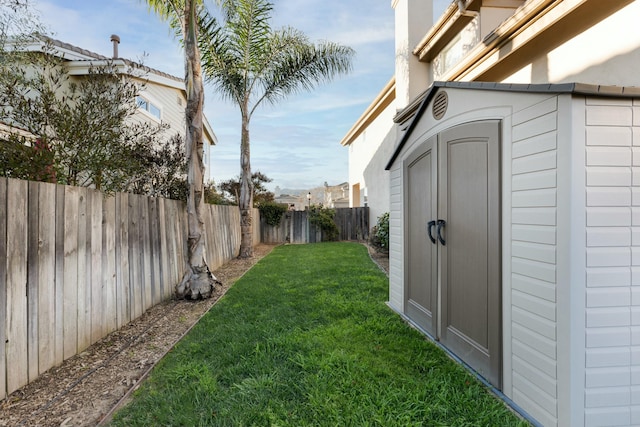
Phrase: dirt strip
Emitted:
{"points": [[85, 389]]}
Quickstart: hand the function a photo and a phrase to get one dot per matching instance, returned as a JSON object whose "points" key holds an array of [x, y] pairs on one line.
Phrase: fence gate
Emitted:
{"points": [[295, 227]]}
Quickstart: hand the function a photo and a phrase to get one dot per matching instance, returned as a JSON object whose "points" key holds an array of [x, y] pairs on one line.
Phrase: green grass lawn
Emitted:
{"points": [[305, 339]]}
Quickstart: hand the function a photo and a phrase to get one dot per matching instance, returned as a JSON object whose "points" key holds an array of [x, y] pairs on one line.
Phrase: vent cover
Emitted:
{"points": [[440, 104]]}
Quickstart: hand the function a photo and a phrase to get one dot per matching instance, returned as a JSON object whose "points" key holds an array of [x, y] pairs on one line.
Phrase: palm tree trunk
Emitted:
{"points": [[197, 282], [246, 195]]}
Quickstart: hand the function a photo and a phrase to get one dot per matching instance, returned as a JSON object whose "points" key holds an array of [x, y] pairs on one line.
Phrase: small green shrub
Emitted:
{"points": [[380, 233], [272, 212], [324, 218]]}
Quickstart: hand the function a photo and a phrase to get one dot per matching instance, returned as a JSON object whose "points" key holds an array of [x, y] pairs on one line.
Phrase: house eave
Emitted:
{"points": [[535, 26], [386, 96], [450, 23], [208, 130]]}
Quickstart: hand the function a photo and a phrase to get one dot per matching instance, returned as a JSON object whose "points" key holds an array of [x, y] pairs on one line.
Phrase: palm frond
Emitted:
{"points": [[248, 62], [299, 65]]}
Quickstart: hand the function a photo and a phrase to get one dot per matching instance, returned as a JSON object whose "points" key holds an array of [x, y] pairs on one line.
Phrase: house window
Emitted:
{"points": [[149, 107], [457, 48]]}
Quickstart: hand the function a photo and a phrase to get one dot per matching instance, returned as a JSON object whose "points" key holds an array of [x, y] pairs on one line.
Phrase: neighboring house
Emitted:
{"points": [[329, 196], [336, 196], [513, 197], [163, 99], [294, 203]]}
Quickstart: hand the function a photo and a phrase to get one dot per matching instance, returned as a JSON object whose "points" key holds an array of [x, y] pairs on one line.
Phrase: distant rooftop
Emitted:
{"points": [[87, 55]]}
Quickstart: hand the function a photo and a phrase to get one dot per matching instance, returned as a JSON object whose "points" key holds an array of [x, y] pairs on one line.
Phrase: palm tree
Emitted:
{"points": [[197, 282], [249, 63]]}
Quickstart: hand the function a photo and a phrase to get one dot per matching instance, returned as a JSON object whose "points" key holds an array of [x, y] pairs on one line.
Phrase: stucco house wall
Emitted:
{"points": [[370, 143], [543, 41], [368, 154]]}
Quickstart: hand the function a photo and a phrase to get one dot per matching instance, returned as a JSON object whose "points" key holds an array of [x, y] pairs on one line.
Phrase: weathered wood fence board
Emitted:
{"points": [[352, 223], [16, 320], [70, 260], [32, 280], [294, 227], [76, 265], [59, 256], [3, 285], [46, 276], [123, 310]]}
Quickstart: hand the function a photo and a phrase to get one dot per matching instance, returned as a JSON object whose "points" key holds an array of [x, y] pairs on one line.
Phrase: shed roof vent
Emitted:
{"points": [[440, 104]]}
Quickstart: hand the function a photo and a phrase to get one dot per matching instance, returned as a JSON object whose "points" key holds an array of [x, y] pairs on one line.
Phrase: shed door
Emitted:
{"points": [[469, 202], [421, 291]]}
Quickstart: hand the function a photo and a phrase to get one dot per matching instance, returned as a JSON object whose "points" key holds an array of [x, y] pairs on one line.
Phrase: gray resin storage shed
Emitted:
{"points": [[515, 241]]}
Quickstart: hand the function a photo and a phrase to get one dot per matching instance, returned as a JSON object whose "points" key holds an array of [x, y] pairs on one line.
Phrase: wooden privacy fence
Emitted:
{"points": [[294, 227], [76, 265]]}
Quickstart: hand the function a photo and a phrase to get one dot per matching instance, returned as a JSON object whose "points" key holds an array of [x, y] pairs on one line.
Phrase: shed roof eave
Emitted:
{"points": [[208, 130], [557, 88]]}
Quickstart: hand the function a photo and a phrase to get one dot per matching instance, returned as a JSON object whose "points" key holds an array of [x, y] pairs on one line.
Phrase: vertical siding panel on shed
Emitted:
{"points": [[3, 286], [16, 325], [610, 175], [533, 204], [396, 216], [46, 275]]}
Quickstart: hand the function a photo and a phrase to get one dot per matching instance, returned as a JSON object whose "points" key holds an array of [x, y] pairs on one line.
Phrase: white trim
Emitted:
{"points": [[571, 250], [506, 142], [81, 68]]}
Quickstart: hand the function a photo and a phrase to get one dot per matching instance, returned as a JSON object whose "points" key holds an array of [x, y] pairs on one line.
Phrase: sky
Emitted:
{"points": [[296, 142]]}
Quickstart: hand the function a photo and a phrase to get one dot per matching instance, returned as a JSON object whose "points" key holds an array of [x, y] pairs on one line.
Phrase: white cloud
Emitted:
{"points": [[295, 142]]}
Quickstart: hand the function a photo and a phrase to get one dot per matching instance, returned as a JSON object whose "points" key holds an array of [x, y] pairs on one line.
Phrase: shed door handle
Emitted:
{"points": [[441, 224], [430, 225]]}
